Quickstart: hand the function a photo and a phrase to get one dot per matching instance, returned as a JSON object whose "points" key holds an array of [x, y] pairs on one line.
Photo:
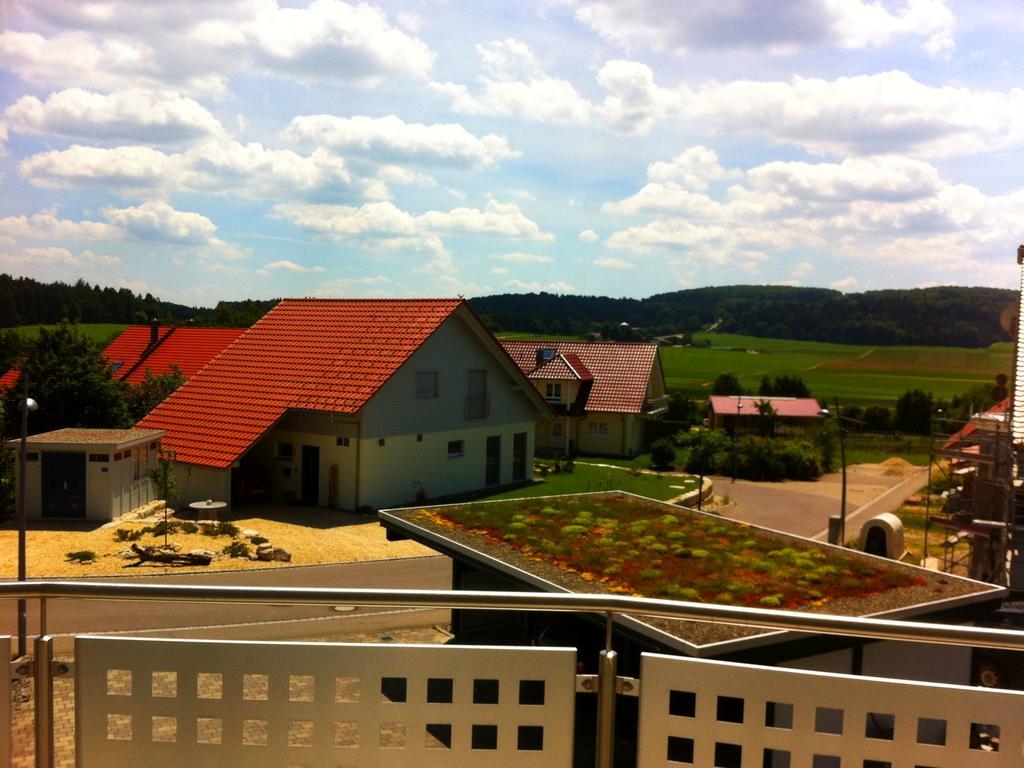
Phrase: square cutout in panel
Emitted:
{"points": [[346, 733], [119, 682], [164, 728], [439, 690], [209, 685], [484, 737], [119, 727], [679, 750], [300, 687], [254, 733], [164, 685], [877, 764], [931, 730], [985, 736], [393, 689], [485, 691], [209, 730], [300, 733], [346, 690], [776, 758], [728, 755], [255, 687], [438, 736], [828, 720], [826, 761], [531, 692], [879, 726], [530, 738], [392, 735], [682, 703], [778, 715], [729, 710]]}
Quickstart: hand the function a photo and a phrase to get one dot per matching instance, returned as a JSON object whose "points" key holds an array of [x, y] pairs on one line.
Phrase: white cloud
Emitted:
{"points": [[134, 114], [370, 286], [523, 258], [611, 263], [882, 113], [327, 40], [694, 168], [284, 265], [845, 284], [46, 225], [498, 271], [802, 269], [159, 221], [559, 286], [215, 166], [634, 103], [516, 86], [589, 236], [892, 178], [390, 138], [54, 256], [788, 26]]}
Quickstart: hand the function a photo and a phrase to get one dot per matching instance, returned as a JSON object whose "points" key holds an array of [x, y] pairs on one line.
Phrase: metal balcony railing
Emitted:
{"points": [[261, 703]]}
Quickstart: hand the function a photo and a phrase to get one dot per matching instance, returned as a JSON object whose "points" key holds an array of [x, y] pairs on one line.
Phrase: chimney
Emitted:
{"points": [[154, 331]]}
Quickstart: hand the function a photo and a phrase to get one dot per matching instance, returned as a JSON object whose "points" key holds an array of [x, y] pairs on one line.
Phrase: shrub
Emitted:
{"points": [[771, 601], [128, 534], [189, 528], [650, 573], [236, 549], [259, 540], [82, 556], [663, 453], [573, 530], [221, 529], [163, 528]]}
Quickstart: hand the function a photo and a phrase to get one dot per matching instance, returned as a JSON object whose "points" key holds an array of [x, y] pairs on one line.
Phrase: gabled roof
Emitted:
{"points": [[995, 414], [565, 367], [9, 379], [329, 355], [620, 371], [785, 407], [189, 348]]}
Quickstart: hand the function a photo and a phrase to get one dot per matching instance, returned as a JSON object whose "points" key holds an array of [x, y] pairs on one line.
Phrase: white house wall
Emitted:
{"points": [[197, 483]]}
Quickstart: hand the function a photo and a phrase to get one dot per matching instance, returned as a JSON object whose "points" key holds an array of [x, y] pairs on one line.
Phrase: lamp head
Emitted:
{"points": [[28, 404], [825, 412]]}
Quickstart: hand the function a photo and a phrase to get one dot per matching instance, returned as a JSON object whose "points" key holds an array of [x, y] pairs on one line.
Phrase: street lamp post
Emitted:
{"points": [[841, 533], [736, 439], [26, 405]]}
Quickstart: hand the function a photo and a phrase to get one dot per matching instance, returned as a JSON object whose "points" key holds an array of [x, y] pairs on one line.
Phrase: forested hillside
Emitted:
{"points": [[945, 316]]}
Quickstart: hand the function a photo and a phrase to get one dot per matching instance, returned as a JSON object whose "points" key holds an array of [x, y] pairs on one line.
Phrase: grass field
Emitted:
{"points": [[858, 375], [101, 332]]}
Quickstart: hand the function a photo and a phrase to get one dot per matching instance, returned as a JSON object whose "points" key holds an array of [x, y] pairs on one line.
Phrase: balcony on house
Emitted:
{"points": [[655, 404], [162, 702]]}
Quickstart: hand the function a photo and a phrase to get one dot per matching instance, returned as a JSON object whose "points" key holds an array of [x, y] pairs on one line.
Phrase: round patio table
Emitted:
{"points": [[209, 506]]}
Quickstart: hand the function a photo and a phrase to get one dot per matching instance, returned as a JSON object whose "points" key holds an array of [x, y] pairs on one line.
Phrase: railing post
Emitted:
{"points": [[44, 701], [606, 684]]}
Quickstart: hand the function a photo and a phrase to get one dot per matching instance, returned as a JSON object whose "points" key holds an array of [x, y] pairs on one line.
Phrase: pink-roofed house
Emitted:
{"points": [[602, 393], [725, 410]]}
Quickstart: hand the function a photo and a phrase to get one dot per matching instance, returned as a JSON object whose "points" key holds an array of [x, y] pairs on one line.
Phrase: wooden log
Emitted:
{"points": [[161, 555]]}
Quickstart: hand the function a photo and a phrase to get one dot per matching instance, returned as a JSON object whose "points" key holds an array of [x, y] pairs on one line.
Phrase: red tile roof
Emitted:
{"points": [[309, 354], [786, 407], [561, 367], [187, 347], [954, 441], [9, 379], [620, 371]]}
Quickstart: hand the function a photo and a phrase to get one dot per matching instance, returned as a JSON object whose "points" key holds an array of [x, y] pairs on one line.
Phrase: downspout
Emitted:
{"points": [[359, 448]]}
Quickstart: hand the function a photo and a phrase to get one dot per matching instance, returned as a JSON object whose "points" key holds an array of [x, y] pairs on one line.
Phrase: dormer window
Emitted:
{"points": [[553, 392]]}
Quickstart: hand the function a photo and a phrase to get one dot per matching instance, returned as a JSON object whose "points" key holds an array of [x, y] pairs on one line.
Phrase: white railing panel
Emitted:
{"points": [[712, 713], [155, 703], [5, 702]]}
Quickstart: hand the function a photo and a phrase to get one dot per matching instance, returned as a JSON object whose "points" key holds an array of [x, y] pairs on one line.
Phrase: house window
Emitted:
{"points": [[426, 384], [99, 457], [519, 456], [285, 451], [597, 429], [380, 442], [32, 456], [343, 442], [477, 404], [556, 429], [455, 449], [553, 391]]}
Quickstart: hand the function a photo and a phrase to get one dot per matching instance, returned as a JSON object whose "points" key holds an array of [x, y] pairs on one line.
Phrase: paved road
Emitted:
{"points": [[783, 507], [271, 622]]}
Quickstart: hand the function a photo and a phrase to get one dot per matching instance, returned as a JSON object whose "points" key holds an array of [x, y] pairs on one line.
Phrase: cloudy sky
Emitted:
{"points": [[224, 149]]}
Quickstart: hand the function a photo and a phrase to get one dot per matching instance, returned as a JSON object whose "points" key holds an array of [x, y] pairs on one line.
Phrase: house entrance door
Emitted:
{"points": [[493, 460], [63, 484], [310, 474]]}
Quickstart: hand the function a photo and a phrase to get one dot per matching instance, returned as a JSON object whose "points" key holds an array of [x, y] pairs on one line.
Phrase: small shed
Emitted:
{"points": [[88, 474]]}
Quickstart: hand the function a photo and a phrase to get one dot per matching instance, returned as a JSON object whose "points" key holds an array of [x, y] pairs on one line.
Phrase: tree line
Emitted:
{"points": [[942, 316]]}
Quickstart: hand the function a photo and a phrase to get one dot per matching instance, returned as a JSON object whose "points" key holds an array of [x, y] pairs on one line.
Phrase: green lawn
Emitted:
{"points": [[858, 375], [101, 332], [587, 478], [515, 336]]}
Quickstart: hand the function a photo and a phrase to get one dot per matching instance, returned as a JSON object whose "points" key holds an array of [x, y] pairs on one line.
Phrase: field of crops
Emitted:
{"points": [[101, 332], [858, 375]]}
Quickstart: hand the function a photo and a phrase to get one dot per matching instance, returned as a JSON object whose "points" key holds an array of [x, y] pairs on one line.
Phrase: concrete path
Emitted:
{"points": [[263, 622], [804, 508]]}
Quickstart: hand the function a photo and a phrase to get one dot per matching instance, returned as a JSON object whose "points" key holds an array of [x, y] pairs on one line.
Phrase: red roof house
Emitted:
{"points": [[601, 392], [726, 409], [346, 403], [141, 348]]}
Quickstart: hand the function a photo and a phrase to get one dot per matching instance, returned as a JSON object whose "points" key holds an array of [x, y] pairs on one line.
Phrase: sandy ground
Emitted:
{"points": [[313, 536], [864, 482]]}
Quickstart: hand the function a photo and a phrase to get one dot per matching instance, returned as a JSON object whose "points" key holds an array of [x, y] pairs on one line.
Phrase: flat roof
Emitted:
{"points": [[943, 592], [86, 436]]}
